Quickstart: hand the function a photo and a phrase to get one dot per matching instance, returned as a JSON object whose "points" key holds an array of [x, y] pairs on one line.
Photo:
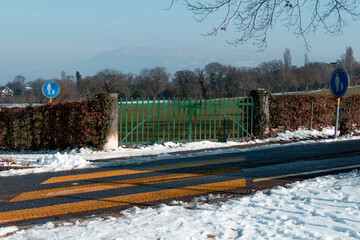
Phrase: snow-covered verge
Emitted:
{"points": [[321, 208], [49, 161]]}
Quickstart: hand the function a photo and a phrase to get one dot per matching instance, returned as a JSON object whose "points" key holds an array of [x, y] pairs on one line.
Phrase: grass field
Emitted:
{"points": [[354, 90]]}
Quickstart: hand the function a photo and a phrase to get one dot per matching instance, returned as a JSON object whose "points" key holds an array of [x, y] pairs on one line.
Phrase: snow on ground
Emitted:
{"points": [[321, 208], [49, 161]]}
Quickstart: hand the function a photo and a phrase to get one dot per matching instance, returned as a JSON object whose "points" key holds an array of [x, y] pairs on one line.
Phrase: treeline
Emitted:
{"points": [[213, 81]]}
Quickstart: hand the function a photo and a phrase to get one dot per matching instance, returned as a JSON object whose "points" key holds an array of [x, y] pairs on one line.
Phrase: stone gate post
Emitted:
{"points": [[112, 140], [261, 112]]}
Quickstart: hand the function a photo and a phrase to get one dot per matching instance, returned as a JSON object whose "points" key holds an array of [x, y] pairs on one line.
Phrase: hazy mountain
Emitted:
{"points": [[130, 59], [135, 58]]}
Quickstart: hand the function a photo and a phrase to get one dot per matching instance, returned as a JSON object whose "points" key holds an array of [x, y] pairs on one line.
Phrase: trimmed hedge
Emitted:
{"points": [[349, 114], [62, 125], [314, 111]]}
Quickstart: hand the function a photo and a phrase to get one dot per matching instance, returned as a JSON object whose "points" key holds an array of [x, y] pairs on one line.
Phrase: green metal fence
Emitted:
{"points": [[148, 121]]}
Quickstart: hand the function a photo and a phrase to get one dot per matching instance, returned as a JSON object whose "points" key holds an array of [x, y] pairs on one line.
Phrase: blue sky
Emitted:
{"points": [[41, 34]]}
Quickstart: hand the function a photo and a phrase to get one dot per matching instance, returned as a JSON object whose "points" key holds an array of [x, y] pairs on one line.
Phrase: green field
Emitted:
{"points": [[351, 91]]}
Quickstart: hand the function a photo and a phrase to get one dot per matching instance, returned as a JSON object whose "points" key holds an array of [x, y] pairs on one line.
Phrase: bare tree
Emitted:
{"points": [[287, 58], [155, 80], [68, 90], [200, 76], [36, 91], [288, 81], [18, 86], [348, 60], [108, 78], [306, 59], [215, 76], [270, 75], [310, 77], [350, 65], [63, 76], [253, 19], [287, 78], [87, 87], [324, 70], [186, 83], [114, 82], [248, 81]]}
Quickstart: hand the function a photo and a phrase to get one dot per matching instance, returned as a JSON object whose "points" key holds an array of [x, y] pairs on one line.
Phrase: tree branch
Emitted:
{"points": [[253, 19]]}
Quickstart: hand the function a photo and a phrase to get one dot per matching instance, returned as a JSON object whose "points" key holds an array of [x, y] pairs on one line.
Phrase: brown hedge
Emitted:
{"points": [[349, 114], [314, 111], [62, 125]]}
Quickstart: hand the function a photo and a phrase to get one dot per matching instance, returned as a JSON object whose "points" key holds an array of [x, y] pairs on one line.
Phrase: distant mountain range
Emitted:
{"points": [[132, 59], [135, 58]]}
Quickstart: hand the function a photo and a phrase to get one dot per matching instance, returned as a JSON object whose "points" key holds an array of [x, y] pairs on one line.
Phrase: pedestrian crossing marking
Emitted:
{"points": [[193, 164], [69, 208], [87, 176], [56, 192], [103, 186], [103, 203]]}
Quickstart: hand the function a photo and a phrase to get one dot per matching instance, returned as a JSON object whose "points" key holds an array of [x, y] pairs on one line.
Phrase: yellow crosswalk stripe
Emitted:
{"points": [[56, 192], [87, 176], [193, 164], [67, 208], [103, 174], [61, 209]]}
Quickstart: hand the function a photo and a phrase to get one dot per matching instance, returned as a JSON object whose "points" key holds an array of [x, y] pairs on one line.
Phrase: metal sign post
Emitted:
{"points": [[337, 117], [51, 89], [339, 84]]}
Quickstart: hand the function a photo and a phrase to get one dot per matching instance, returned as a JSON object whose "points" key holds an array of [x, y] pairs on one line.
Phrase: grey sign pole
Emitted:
{"points": [[337, 118]]}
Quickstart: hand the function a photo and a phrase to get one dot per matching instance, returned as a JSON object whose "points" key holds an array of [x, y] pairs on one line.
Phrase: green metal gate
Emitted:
{"points": [[148, 121]]}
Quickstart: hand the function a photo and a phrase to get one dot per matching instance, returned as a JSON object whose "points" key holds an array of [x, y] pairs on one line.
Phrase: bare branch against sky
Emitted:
{"points": [[252, 20]]}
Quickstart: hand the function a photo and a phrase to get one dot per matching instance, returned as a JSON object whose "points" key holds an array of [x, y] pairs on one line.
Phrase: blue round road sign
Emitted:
{"points": [[339, 83], [51, 89]]}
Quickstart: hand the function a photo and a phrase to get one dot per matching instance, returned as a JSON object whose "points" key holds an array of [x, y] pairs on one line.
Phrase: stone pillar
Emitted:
{"points": [[112, 140], [261, 113]]}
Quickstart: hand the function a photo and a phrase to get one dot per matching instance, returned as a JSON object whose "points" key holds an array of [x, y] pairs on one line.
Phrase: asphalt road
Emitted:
{"points": [[78, 193]]}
